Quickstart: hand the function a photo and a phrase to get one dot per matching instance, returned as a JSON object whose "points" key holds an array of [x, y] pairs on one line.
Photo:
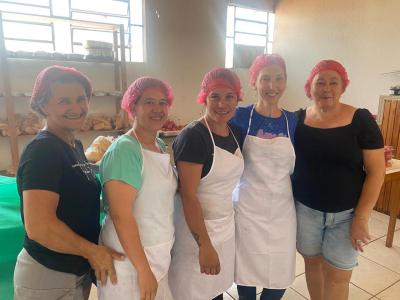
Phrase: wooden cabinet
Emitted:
{"points": [[389, 122], [119, 66]]}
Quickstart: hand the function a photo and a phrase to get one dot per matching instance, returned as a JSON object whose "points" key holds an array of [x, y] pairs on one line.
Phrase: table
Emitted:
{"points": [[393, 175]]}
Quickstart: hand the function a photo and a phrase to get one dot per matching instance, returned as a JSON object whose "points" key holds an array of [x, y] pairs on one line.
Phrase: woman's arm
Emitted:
{"points": [[121, 197], [43, 226], [189, 177], [374, 164]]}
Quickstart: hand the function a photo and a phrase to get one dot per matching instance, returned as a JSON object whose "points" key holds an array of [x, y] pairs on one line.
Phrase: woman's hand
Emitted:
{"points": [[208, 259], [101, 260], [359, 233], [147, 284]]}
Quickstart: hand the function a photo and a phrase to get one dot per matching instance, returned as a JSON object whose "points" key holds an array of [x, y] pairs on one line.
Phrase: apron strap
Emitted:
{"points": [[287, 124], [212, 138], [141, 149], [249, 124], [209, 130], [250, 119]]}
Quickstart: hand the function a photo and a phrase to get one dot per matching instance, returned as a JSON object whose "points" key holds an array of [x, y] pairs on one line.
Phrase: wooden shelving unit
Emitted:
{"points": [[389, 122], [119, 65]]}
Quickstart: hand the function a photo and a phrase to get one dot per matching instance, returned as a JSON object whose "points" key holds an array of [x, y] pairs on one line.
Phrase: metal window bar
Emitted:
{"points": [[95, 13], [51, 41], [266, 35], [251, 21], [71, 11], [26, 4]]}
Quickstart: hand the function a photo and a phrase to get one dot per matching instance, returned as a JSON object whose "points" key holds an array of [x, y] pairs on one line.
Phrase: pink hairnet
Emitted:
{"points": [[137, 88], [262, 61], [218, 78], [324, 65], [50, 75]]}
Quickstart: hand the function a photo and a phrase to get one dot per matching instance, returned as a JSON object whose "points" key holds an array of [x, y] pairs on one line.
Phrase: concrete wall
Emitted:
{"points": [[362, 34]]}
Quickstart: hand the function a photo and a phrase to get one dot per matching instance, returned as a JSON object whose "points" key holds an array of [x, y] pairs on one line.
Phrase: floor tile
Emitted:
{"points": [[299, 264], [379, 253], [355, 293], [300, 286], [392, 293], [380, 216], [377, 228], [291, 294], [232, 291], [93, 293], [373, 277], [396, 238], [227, 297]]}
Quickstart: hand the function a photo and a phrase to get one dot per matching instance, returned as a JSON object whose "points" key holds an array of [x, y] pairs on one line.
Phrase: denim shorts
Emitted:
{"points": [[327, 235]]}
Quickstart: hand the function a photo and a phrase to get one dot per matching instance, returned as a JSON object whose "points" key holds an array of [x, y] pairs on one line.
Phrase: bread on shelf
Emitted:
{"points": [[94, 153]]}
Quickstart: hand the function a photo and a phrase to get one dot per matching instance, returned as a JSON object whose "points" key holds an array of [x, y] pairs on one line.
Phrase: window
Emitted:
{"points": [[64, 38], [247, 29]]}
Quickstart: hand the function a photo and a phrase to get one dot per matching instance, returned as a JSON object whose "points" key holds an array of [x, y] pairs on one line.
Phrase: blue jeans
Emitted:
{"points": [[249, 293], [327, 235]]}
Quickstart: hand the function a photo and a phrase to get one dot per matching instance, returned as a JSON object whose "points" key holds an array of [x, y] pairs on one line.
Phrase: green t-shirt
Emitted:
{"points": [[123, 161]]}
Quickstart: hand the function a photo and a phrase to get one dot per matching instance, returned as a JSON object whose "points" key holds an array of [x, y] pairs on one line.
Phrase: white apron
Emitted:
{"points": [[215, 196], [153, 210], [265, 213]]}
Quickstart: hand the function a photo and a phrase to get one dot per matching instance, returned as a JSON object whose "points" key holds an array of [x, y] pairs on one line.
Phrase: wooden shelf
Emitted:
{"points": [[119, 67]]}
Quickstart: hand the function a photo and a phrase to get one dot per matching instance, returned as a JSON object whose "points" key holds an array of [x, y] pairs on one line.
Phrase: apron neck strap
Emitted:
{"points": [[212, 138], [251, 116], [209, 130]]}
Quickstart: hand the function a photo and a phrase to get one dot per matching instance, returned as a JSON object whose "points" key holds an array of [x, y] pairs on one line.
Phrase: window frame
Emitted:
{"points": [[230, 36], [128, 26]]}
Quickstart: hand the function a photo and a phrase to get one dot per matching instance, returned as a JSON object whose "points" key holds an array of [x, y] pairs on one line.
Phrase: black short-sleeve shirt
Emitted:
{"points": [[194, 144], [329, 172], [48, 163]]}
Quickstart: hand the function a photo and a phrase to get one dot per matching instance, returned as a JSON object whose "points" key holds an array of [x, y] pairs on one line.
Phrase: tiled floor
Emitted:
{"points": [[376, 277]]}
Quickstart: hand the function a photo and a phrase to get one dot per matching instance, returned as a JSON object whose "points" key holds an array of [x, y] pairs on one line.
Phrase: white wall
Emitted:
{"points": [[361, 34]]}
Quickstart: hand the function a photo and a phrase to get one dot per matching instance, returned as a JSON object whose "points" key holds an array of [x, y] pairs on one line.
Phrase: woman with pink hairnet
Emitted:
{"points": [[139, 186], [209, 163], [60, 197], [339, 172], [264, 207]]}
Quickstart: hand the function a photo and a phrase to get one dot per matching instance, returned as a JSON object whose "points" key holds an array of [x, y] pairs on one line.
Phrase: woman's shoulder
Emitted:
{"points": [[291, 115], [45, 143], [362, 114], [241, 116], [362, 118], [124, 144], [243, 111], [193, 130]]}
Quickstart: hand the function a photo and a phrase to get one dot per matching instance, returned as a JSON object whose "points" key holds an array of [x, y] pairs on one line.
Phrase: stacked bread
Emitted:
{"points": [[25, 125], [94, 153]]}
